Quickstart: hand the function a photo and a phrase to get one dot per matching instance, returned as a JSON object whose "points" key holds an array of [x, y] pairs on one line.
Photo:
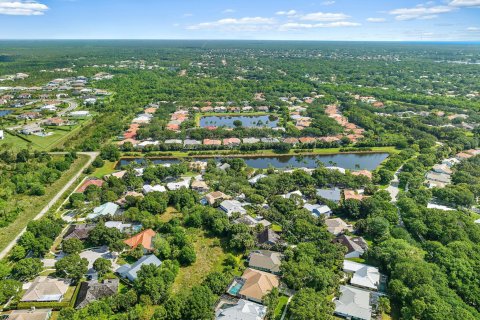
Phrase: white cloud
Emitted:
{"points": [[473, 29], [228, 11], [420, 12], [298, 26], [376, 20], [188, 14], [465, 3], [22, 8], [286, 13], [236, 24], [328, 3], [324, 16]]}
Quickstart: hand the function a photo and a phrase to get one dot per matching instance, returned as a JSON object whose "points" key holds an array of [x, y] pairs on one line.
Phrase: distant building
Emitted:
{"points": [[333, 194], [356, 246], [318, 210], [232, 206], [2, 136]]}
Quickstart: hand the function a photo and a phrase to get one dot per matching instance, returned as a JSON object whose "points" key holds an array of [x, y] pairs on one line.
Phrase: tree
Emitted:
{"points": [[198, 305], [72, 245], [217, 281], [8, 289], [307, 304], [271, 301], [110, 152], [27, 269], [187, 255], [102, 266], [237, 123], [72, 267]]}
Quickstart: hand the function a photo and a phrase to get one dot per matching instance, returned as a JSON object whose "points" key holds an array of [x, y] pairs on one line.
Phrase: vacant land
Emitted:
{"points": [[31, 206], [210, 257]]}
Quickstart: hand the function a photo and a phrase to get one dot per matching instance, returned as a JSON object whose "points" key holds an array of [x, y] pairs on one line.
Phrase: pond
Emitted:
{"points": [[3, 113], [351, 161], [247, 121]]}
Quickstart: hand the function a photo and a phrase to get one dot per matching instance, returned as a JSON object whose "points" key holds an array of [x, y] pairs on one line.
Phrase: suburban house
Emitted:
{"points": [[336, 226], [438, 177], [185, 183], [199, 186], [451, 162], [2, 136], [105, 210], [268, 238], [144, 238], [256, 178], [333, 194], [352, 194], [255, 284], [265, 260], [45, 289], [124, 227], [232, 206], [33, 128], [442, 168], [130, 271], [30, 314], [231, 142], [356, 246], [250, 140], [364, 173], [190, 143], [212, 142], [78, 231], [318, 209], [252, 222], [56, 122], [363, 276], [212, 197], [156, 188], [353, 303], [244, 310], [93, 290], [90, 182]]}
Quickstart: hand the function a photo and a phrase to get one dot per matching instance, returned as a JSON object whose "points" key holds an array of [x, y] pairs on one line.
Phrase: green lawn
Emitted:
{"points": [[282, 303], [108, 168], [210, 257], [59, 137], [169, 214], [33, 205]]}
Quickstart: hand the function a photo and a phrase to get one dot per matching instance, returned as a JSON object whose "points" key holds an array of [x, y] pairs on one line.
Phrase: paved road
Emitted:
{"points": [[393, 187], [92, 156]]}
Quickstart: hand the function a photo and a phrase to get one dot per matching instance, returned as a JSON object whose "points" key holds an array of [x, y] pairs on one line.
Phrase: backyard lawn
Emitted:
{"points": [[108, 168]]}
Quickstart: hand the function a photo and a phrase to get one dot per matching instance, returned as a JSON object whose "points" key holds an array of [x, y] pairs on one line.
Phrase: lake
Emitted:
{"points": [[351, 161], [247, 121], [3, 113]]}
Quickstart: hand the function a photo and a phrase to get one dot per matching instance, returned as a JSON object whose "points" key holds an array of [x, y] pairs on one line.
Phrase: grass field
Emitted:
{"points": [[210, 257], [169, 214], [56, 140], [33, 205], [108, 168]]}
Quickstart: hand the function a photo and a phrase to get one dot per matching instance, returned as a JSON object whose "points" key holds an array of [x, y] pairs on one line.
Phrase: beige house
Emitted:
{"points": [[31, 314], [257, 284], [337, 226], [212, 197], [45, 289]]}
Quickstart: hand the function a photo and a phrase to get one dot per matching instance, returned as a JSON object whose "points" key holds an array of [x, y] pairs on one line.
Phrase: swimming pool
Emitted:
{"points": [[235, 288]]}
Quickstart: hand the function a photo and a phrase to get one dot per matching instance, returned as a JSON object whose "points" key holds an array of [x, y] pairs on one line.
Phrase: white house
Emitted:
{"points": [[231, 206], [158, 188], [2, 136], [318, 209], [364, 276], [185, 183], [353, 303], [255, 179], [79, 114]]}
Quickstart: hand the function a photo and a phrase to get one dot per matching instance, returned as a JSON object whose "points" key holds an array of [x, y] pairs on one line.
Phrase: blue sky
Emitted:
{"points": [[369, 20]]}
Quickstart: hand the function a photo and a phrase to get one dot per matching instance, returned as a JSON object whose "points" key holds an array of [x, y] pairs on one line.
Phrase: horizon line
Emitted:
{"points": [[251, 40]]}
